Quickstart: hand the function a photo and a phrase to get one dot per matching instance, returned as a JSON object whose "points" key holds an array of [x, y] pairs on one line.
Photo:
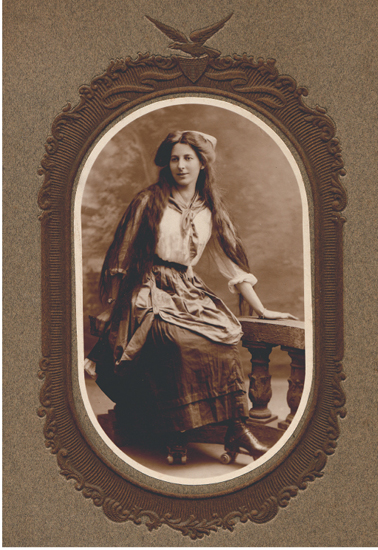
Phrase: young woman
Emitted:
{"points": [[165, 336]]}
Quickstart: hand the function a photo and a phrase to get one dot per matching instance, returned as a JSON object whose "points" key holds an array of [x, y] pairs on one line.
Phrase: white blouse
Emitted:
{"points": [[184, 233], [174, 245]]}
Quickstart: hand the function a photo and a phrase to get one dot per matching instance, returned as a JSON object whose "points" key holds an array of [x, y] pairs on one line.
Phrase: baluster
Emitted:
{"points": [[296, 381], [260, 389]]}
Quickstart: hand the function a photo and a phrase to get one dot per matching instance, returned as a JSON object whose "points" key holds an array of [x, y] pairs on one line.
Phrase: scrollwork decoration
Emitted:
{"points": [[125, 84]]}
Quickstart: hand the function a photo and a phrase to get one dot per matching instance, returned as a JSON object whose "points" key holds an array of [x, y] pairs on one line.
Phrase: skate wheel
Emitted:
{"points": [[183, 459], [170, 459], [226, 458]]}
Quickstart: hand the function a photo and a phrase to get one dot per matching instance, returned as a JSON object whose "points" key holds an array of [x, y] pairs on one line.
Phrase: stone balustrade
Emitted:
{"points": [[260, 336]]}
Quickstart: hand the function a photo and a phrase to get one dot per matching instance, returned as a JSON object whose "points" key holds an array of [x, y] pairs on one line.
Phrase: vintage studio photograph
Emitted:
{"points": [[192, 253]]}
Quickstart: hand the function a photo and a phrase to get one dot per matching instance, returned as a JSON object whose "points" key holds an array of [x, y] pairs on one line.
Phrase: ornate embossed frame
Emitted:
{"points": [[125, 86]]}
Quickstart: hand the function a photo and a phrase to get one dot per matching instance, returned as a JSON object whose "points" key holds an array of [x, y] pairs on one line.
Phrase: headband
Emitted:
{"points": [[206, 137]]}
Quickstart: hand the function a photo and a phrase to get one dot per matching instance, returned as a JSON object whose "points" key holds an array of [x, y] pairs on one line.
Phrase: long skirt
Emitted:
{"points": [[182, 377], [194, 381]]}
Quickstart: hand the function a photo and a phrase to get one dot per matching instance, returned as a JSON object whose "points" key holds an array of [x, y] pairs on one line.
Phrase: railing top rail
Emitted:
{"points": [[283, 332]]}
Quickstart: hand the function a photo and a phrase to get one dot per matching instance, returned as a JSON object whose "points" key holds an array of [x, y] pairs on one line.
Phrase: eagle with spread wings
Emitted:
{"points": [[196, 45]]}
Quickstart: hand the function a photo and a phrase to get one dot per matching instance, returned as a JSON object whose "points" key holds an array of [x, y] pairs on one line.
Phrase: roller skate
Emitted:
{"points": [[176, 447], [239, 439]]}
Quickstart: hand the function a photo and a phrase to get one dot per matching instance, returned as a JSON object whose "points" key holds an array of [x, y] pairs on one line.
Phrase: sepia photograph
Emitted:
{"points": [[193, 310], [189, 263]]}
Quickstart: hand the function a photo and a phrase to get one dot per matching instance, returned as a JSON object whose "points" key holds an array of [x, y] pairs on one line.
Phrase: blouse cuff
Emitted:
{"points": [[243, 277], [117, 271], [90, 368]]}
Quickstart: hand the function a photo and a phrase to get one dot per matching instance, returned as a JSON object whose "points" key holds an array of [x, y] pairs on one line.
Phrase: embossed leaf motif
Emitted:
{"points": [[148, 84], [242, 84]]}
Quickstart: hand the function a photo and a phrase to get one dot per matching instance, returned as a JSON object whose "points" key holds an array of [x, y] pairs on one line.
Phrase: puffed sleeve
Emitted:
{"points": [[228, 268]]}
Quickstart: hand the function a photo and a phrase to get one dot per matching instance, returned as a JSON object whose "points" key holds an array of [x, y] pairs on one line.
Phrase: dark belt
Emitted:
{"points": [[178, 267]]}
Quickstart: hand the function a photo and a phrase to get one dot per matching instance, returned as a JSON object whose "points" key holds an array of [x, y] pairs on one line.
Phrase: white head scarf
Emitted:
{"points": [[207, 137]]}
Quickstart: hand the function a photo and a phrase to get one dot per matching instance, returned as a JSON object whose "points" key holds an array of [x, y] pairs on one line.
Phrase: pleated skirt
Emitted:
{"points": [[185, 368], [194, 381]]}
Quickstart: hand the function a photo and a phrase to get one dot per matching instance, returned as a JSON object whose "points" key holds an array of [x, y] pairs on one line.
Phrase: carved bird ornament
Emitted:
{"points": [[196, 45]]}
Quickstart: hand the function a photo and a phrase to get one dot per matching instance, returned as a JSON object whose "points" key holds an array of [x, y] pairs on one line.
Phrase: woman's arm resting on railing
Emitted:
{"points": [[246, 289]]}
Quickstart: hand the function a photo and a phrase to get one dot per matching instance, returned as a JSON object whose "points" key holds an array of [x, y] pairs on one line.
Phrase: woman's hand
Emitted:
{"points": [[253, 300], [267, 314]]}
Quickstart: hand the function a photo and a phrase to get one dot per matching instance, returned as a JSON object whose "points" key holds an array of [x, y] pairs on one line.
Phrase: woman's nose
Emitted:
{"points": [[181, 164]]}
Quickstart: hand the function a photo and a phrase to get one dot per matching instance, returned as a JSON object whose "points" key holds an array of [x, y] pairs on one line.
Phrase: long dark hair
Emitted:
{"points": [[140, 223]]}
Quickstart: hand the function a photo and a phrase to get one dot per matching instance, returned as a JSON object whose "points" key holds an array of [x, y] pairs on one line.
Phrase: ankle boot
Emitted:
{"points": [[176, 447], [239, 436]]}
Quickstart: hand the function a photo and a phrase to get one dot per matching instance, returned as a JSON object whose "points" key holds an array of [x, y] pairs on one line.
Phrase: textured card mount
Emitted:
{"points": [[256, 86]]}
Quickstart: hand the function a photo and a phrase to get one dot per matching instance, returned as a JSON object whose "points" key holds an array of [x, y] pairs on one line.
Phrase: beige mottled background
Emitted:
{"points": [[50, 50], [257, 184]]}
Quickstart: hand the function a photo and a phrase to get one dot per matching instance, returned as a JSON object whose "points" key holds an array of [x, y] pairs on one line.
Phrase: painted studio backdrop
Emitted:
{"points": [[258, 186]]}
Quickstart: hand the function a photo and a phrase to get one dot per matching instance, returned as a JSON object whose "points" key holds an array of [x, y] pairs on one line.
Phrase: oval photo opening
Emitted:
{"points": [[181, 378]]}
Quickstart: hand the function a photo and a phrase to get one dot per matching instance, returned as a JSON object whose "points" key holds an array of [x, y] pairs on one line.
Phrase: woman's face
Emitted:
{"points": [[185, 166]]}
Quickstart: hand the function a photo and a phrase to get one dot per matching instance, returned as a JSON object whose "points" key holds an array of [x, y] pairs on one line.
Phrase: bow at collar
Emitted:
{"points": [[188, 213]]}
